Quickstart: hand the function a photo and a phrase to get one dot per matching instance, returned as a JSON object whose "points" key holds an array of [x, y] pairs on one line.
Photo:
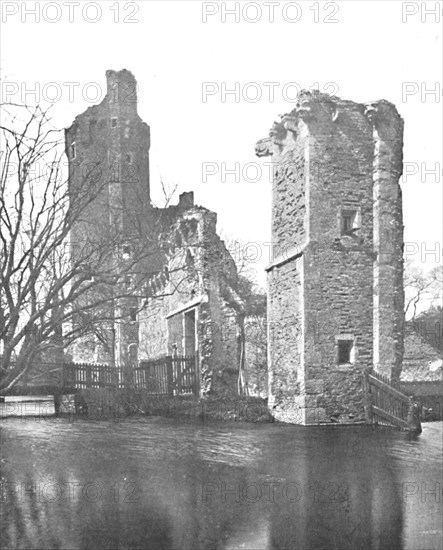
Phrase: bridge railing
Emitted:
{"points": [[385, 404]]}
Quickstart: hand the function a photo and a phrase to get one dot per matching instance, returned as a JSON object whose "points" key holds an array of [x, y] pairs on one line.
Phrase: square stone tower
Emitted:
{"points": [[335, 282], [108, 147], [110, 143]]}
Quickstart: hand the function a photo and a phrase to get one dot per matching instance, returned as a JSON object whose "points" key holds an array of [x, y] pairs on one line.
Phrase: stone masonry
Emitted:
{"points": [[189, 305], [196, 309], [335, 284]]}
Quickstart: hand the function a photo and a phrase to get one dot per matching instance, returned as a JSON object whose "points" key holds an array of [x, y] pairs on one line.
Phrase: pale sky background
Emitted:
{"points": [[368, 55]]}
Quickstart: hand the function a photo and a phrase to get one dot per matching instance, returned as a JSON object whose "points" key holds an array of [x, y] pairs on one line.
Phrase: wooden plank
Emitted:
{"points": [[178, 372], [387, 388], [368, 398], [390, 417], [27, 398], [197, 373]]}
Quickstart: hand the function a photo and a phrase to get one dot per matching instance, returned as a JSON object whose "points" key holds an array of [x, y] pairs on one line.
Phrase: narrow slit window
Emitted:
{"points": [[189, 258], [133, 314], [73, 150], [133, 354], [345, 348]]}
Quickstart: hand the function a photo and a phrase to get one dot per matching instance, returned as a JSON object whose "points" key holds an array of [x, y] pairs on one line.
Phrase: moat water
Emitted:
{"points": [[158, 483]]}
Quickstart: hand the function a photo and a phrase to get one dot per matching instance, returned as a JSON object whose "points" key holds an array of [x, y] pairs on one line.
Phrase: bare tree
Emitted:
{"points": [[44, 283], [253, 364], [421, 287]]}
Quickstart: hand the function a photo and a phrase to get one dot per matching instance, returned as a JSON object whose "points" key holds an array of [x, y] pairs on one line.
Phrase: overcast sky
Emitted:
{"points": [[360, 51]]}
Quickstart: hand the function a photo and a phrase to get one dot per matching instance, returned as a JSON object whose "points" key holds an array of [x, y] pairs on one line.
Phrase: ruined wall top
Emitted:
{"points": [[121, 86], [313, 110], [120, 99]]}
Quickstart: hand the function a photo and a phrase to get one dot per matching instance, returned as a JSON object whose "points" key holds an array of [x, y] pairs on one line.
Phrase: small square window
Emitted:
{"points": [[348, 223], [126, 250], [73, 150], [113, 123], [129, 158], [345, 348]]}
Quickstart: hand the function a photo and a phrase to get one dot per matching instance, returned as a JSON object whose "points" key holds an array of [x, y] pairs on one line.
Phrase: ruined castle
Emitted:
{"points": [[189, 305], [335, 284]]}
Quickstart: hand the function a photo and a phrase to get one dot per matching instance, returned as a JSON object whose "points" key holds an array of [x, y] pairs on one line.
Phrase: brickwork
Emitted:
{"points": [[335, 294]]}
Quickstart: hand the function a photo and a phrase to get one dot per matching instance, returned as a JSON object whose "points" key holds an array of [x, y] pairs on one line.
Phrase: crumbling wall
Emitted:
{"points": [[285, 345], [256, 355], [338, 267], [182, 276], [108, 152], [389, 298], [153, 329], [108, 148], [202, 279], [224, 312], [336, 226]]}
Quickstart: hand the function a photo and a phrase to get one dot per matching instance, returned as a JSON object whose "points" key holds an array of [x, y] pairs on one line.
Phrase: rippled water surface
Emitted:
{"points": [[157, 483]]}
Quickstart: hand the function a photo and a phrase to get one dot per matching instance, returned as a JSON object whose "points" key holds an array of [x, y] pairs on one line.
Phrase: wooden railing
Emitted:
{"points": [[169, 375], [385, 404], [88, 375]]}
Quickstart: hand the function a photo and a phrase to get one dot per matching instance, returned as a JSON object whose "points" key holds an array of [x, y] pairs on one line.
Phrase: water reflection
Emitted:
{"points": [[156, 483]]}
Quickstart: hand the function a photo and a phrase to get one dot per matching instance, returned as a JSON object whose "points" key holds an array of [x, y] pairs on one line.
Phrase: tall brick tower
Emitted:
{"points": [[335, 282], [109, 144]]}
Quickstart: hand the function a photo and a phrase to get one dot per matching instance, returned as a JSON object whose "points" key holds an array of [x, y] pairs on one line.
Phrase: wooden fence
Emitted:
{"points": [[86, 375], [175, 375], [385, 404], [167, 375]]}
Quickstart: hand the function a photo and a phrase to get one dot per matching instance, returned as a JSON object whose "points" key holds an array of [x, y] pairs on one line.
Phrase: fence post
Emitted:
{"points": [[88, 376], [181, 362], [367, 397], [197, 374], [102, 376], [414, 417], [169, 376]]}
